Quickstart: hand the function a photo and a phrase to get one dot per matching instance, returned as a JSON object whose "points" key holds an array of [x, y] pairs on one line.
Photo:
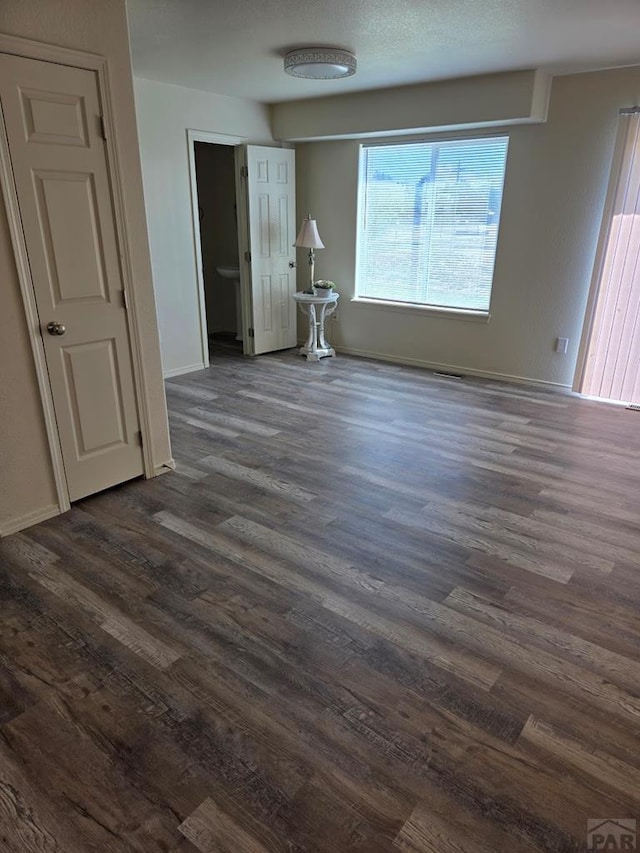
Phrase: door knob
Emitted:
{"points": [[55, 328]]}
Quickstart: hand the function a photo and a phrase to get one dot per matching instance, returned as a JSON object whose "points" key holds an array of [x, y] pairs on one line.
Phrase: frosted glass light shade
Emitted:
{"points": [[320, 63], [308, 236]]}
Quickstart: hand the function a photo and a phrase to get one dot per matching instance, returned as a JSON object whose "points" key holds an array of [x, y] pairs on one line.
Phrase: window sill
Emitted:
{"points": [[424, 310]]}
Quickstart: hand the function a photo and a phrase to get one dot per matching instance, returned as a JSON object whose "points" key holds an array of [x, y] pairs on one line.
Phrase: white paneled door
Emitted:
{"points": [[54, 128], [272, 220]]}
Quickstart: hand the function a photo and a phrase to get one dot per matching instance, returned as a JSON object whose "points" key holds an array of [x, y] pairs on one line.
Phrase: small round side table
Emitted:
{"points": [[318, 308]]}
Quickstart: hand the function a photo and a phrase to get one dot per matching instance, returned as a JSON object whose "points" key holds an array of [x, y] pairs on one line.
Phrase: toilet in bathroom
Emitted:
{"points": [[232, 274]]}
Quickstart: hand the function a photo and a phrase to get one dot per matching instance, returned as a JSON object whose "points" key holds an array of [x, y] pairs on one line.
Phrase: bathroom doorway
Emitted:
{"points": [[257, 314], [218, 222], [215, 210]]}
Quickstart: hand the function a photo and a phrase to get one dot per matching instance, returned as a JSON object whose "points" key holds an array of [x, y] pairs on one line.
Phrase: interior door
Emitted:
{"points": [[53, 120], [272, 221]]}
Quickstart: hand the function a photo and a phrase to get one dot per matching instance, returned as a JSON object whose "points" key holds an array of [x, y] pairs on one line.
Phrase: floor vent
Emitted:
{"points": [[634, 407], [449, 375]]}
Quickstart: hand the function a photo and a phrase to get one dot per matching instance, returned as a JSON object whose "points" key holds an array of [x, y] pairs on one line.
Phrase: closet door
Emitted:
{"points": [[54, 128]]}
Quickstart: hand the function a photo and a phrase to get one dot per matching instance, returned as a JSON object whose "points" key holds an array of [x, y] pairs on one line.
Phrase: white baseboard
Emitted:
{"points": [[452, 368], [180, 371], [28, 520]]}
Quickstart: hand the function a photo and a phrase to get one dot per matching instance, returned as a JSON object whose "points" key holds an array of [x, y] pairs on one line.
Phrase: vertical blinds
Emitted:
{"points": [[612, 366], [428, 221]]}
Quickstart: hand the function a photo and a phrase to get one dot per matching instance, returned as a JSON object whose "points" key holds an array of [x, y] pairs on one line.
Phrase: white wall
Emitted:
{"points": [[557, 175], [26, 482], [165, 112]]}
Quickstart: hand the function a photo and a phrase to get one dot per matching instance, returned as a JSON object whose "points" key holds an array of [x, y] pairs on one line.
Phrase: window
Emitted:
{"points": [[428, 221]]}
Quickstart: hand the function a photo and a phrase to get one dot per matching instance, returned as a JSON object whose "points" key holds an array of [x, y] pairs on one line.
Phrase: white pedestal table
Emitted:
{"points": [[317, 308]]}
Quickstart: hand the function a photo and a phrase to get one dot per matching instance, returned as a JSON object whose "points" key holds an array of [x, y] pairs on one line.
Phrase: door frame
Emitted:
{"points": [[194, 136], [100, 66]]}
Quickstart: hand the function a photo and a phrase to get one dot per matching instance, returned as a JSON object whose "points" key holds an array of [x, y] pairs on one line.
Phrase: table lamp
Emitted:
{"points": [[308, 238]]}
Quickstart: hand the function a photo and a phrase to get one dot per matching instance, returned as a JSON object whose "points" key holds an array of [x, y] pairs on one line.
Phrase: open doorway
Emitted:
{"points": [[220, 239], [215, 178], [609, 361], [243, 196]]}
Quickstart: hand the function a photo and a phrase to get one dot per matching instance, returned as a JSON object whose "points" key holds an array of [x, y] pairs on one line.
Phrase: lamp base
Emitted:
{"points": [[312, 264]]}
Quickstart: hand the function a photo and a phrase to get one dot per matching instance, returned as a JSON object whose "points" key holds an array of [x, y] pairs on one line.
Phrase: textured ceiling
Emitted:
{"points": [[235, 47]]}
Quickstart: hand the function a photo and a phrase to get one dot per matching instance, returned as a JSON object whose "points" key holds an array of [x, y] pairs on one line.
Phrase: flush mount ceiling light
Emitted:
{"points": [[320, 63]]}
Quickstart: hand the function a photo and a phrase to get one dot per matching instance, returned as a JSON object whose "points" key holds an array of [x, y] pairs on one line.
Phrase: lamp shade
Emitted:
{"points": [[308, 236]]}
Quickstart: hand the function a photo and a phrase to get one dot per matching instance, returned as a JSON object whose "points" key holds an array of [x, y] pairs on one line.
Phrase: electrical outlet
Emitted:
{"points": [[562, 345]]}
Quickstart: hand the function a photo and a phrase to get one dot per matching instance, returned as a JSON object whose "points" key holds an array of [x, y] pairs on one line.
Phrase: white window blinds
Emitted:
{"points": [[428, 221]]}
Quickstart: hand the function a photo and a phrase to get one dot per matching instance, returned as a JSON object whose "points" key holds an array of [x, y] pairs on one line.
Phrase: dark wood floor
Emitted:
{"points": [[373, 610]]}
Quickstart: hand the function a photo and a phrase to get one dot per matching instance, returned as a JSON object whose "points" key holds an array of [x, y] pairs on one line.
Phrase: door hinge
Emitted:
{"points": [[244, 171], [103, 128], [247, 257], [125, 300], [252, 334], [137, 438]]}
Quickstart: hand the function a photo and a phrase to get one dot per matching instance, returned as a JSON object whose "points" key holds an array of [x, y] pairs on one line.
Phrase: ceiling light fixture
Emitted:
{"points": [[320, 63]]}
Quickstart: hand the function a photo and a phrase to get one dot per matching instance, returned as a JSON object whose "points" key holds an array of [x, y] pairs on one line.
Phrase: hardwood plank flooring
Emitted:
{"points": [[372, 610]]}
